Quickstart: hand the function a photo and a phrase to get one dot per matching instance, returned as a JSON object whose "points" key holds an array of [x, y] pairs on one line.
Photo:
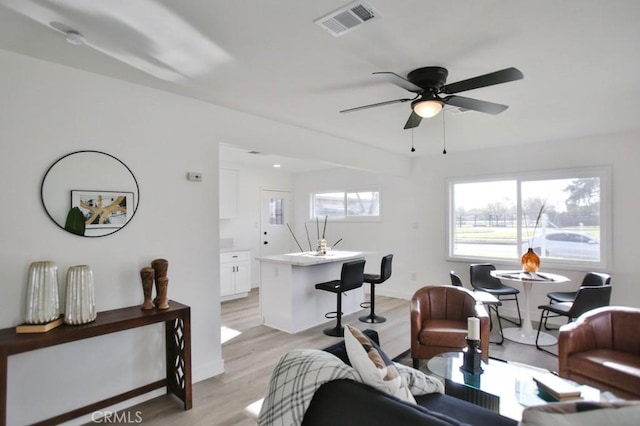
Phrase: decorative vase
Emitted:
{"points": [[163, 286], [43, 304], [530, 261], [146, 275], [160, 267], [81, 299]]}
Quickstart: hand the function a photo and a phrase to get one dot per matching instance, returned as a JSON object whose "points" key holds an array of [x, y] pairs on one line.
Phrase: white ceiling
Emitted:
{"points": [[580, 59]]}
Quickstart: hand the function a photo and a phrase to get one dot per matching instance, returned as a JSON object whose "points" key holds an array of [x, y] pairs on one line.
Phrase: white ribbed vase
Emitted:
{"points": [[81, 299], [43, 304]]}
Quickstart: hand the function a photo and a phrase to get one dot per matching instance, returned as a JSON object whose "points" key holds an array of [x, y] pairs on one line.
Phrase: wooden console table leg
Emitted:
{"points": [[178, 350], [3, 387]]}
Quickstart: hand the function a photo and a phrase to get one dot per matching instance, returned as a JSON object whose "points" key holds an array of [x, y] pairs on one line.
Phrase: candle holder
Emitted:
{"points": [[471, 357]]}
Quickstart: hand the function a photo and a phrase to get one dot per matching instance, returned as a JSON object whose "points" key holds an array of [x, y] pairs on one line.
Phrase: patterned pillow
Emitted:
{"points": [[418, 382], [374, 366]]}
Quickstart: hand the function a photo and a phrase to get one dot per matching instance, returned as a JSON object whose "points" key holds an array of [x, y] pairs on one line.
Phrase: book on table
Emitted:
{"points": [[557, 388], [39, 328]]}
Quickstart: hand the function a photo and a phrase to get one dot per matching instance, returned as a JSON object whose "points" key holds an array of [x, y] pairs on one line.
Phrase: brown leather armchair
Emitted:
{"points": [[439, 321], [601, 349]]}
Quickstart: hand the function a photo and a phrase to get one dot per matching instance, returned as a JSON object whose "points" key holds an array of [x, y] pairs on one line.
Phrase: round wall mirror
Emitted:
{"points": [[90, 193]]}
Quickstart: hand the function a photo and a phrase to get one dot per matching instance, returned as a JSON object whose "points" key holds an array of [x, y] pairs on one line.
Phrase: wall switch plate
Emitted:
{"points": [[194, 176]]}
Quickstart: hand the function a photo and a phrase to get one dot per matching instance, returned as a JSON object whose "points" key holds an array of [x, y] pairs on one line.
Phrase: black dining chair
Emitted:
{"points": [[587, 298], [590, 279], [351, 277], [481, 279], [455, 279], [374, 280], [487, 299]]}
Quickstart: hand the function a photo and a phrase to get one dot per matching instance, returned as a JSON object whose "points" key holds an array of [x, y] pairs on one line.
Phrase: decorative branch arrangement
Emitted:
{"points": [[542, 210], [321, 248]]}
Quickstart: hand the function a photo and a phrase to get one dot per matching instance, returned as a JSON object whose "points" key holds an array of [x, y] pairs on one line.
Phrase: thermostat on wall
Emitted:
{"points": [[194, 176]]}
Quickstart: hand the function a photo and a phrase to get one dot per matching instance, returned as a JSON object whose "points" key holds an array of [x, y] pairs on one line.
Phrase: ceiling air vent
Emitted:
{"points": [[347, 18]]}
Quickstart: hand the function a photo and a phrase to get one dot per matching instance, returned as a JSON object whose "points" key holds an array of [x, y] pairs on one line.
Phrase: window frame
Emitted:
{"points": [[606, 228], [345, 191]]}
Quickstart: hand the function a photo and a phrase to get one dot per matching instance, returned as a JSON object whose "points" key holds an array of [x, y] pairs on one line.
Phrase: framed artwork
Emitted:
{"points": [[103, 209]]}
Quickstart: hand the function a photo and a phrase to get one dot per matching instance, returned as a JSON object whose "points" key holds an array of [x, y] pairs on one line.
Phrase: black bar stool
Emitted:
{"points": [[375, 279], [351, 277]]}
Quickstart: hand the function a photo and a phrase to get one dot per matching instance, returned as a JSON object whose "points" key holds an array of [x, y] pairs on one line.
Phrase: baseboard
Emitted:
{"points": [[393, 293]]}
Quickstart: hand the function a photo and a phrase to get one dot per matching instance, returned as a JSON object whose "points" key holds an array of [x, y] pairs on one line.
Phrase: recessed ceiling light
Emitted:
{"points": [[75, 38], [277, 166]]}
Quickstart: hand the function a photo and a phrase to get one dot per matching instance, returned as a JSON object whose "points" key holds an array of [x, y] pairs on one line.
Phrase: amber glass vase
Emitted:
{"points": [[530, 261]]}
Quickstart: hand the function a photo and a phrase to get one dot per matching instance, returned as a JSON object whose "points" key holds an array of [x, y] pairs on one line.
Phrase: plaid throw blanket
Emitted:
{"points": [[295, 379], [301, 372]]}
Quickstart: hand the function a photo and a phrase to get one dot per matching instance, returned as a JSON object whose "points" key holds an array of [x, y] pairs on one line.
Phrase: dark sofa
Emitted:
{"points": [[349, 403]]}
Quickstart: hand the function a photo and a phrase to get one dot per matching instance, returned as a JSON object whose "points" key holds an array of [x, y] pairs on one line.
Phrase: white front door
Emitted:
{"points": [[276, 218]]}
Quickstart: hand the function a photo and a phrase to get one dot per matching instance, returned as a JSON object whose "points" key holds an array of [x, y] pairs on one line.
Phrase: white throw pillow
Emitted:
{"points": [[369, 362]]}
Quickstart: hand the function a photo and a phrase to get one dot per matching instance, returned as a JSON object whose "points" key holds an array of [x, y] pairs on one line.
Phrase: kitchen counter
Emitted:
{"points": [[289, 300], [308, 258]]}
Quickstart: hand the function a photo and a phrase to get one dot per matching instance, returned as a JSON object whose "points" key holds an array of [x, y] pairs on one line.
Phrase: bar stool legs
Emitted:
{"points": [[372, 318], [338, 330]]}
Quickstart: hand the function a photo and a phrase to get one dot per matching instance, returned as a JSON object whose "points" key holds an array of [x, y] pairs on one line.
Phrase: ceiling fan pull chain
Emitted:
{"points": [[444, 136], [412, 148]]}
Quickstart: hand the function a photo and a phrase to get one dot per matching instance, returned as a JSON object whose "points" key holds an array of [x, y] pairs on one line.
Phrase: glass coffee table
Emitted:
{"points": [[504, 387]]}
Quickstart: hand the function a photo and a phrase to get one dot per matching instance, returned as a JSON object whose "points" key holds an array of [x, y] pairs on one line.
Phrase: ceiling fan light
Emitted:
{"points": [[428, 109]]}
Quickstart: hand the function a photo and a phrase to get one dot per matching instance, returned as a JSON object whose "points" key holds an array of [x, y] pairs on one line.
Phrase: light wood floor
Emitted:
{"points": [[250, 357]]}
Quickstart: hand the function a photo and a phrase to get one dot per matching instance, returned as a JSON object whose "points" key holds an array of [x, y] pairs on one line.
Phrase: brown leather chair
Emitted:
{"points": [[601, 349], [439, 321]]}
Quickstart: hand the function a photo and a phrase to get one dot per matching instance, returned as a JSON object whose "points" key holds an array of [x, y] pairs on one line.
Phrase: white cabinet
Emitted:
{"points": [[228, 193], [235, 274]]}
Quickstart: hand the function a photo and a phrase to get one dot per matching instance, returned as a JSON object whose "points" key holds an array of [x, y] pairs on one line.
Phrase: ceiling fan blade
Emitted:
{"points": [[475, 104], [376, 105], [413, 121], [394, 78], [498, 77]]}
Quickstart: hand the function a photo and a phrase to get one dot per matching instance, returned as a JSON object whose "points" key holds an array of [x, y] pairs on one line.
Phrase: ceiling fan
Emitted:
{"points": [[428, 83]]}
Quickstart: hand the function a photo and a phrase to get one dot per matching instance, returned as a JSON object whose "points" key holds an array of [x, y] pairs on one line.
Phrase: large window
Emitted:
{"points": [[360, 203], [562, 215]]}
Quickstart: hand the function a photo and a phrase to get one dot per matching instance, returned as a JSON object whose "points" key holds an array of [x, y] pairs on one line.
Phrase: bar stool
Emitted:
{"points": [[375, 279], [351, 278]]}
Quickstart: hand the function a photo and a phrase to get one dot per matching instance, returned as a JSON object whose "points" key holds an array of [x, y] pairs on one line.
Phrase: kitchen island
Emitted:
{"points": [[289, 300]]}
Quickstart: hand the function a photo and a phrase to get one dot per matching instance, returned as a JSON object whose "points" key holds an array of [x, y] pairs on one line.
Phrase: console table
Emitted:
{"points": [[177, 321]]}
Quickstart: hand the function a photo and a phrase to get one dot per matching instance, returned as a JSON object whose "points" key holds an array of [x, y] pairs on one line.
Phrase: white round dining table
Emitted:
{"points": [[525, 333]]}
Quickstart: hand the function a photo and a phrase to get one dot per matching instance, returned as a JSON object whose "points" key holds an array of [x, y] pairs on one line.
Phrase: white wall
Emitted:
{"points": [[244, 229], [414, 210], [49, 111]]}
